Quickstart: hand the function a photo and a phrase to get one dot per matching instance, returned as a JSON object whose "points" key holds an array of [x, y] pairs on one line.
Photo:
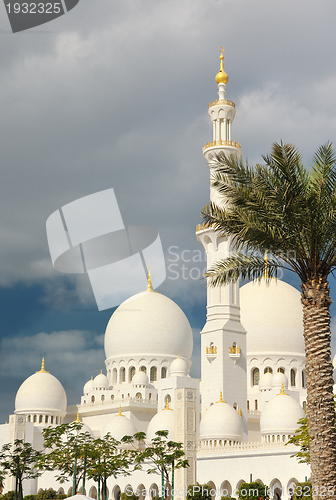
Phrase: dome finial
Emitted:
{"points": [[42, 368], [167, 404], [221, 398], [77, 419], [266, 272], [221, 76], [282, 392], [120, 414], [149, 280]]}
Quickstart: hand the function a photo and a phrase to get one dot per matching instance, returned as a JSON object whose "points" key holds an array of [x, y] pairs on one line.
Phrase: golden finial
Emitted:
{"points": [[120, 414], [91, 377], [266, 272], [149, 280], [221, 398], [167, 405], [178, 355], [42, 368], [282, 392], [221, 76], [240, 412], [77, 419]]}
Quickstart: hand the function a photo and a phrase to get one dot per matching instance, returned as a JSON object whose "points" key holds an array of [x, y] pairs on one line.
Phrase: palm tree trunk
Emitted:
{"points": [[316, 301]]}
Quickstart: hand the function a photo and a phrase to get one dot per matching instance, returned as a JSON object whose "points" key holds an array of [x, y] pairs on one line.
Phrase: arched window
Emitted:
{"points": [[255, 376], [153, 374], [150, 395], [122, 375], [40, 419], [131, 373], [281, 370], [56, 420], [112, 397], [255, 404], [292, 377], [51, 419], [167, 398], [138, 396], [114, 376], [234, 406], [268, 369], [29, 418], [102, 397], [248, 405], [304, 406], [303, 378], [163, 372], [92, 399], [143, 369], [46, 419]]}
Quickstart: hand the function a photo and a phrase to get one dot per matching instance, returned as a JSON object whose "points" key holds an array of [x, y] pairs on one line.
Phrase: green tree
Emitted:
{"points": [[161, 456], [253, 491], [66, 451], [303, 491], [301, 438], [105, 460], [19, 460], [198, 492], [282, 208]]}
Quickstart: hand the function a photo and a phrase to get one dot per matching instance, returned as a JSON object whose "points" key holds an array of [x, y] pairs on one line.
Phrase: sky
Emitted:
{"points": [[115, 94]]}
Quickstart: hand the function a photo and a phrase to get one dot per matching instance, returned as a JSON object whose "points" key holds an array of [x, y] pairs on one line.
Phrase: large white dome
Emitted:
{"points": [[148, 323], [41, 392], [221, 421], [272, 316], [280, 415]]}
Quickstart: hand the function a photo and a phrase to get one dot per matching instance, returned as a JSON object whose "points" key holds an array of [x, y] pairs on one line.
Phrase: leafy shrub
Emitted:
{"points": [[198, 492], [303, 491], [253, 491]]}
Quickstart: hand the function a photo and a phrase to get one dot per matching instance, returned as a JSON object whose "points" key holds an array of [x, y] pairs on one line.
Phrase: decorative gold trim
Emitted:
{"points": [[282, 392], [222, 101], [222, 143], [234, 349], [119, 414], [167, 405], [221, 398], [212, 349]]}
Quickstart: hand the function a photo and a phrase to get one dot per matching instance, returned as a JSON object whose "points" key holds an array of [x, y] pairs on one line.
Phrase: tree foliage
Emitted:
{"points": [[198, 492], [19, 460], [253, 491]]}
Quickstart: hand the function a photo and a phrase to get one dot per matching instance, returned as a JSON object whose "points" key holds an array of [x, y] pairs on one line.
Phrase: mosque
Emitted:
{"points": [[234, 423]]}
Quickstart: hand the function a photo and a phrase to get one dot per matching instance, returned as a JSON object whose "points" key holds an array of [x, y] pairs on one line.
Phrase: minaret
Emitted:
{"points": [[223, 338]]}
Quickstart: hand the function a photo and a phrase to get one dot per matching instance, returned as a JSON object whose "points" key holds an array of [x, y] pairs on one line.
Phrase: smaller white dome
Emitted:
{"points": [[280, 415], [41, 392], [221, 421], [279, 380], [119, 426], [101, 381], [140, 378], [265, 383], [88, 387], [179, 368], [162, 421]]}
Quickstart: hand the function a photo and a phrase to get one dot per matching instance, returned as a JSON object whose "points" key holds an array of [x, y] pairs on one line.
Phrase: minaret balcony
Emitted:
{"points": [[234, 352], [226, 102], [222, 142]]}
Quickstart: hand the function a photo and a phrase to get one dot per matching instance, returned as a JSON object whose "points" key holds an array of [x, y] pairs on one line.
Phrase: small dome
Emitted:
{"points": [[148, 324], [140, 378], [279, 380], [221, 421], [119, 426], [280, 415], [101, 381], [272, 317], [179, 367], [162, 421], [221, 76], [88, 387], [41, 392], [265, 383]]}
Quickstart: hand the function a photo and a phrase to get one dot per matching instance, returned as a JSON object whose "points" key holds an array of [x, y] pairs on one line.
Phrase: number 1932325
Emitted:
{"points": [[34, 8]]}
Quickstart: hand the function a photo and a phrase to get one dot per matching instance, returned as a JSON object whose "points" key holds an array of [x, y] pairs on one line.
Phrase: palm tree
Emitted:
{"points": [[290, 212]]}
